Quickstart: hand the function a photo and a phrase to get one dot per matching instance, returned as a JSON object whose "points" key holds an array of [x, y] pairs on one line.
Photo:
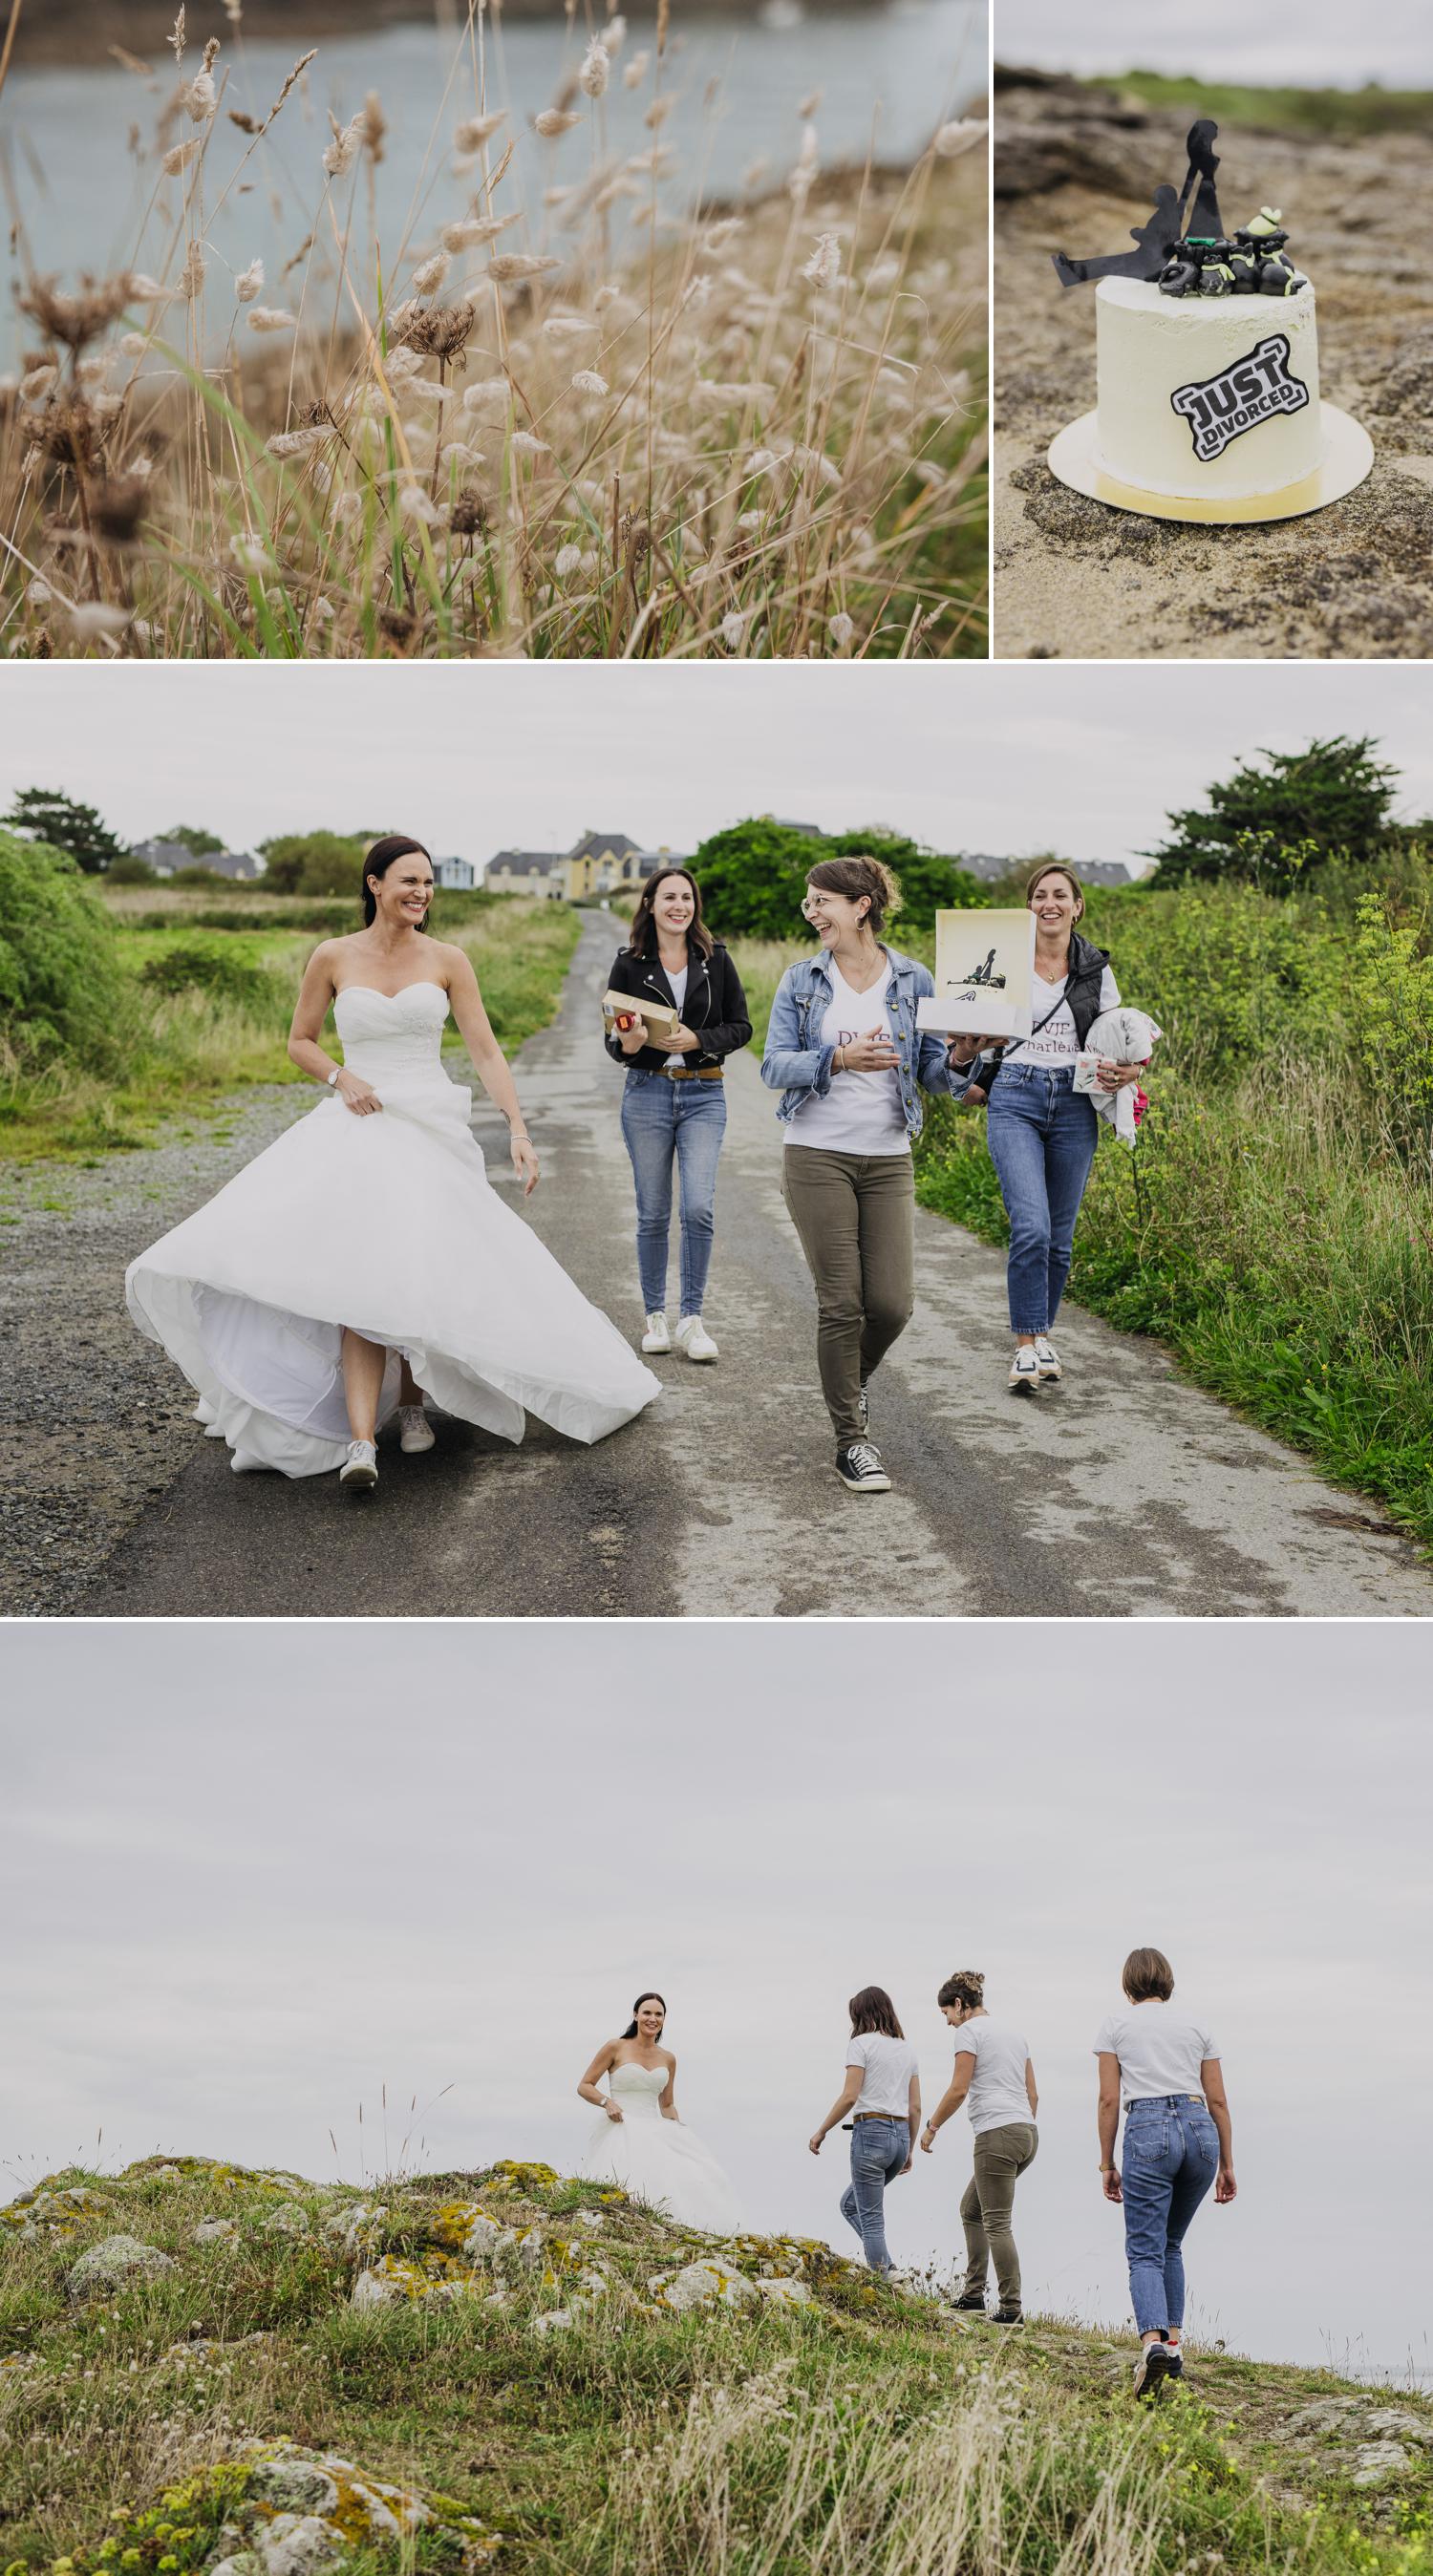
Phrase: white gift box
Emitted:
{"points": [[984, 975]]}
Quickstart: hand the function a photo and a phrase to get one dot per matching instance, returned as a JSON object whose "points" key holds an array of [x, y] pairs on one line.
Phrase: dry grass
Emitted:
{"points": [[581, 427]]}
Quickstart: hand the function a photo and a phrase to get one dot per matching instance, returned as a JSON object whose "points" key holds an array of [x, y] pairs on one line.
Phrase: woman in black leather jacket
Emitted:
{"points": [[674, 1103]]}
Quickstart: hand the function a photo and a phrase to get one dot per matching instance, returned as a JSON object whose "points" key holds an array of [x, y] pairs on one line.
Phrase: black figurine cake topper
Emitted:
{"points": [[1200, 260]]}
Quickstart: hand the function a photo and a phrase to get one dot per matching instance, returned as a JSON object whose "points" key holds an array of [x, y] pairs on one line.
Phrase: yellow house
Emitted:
{"points": [[599, 864]]}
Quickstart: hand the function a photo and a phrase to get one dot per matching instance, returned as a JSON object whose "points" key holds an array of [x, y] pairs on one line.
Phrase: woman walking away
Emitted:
{"points": [[844, 1051], [639, 2141], [993, 2073], [881, 2102], [673, 1103], [1162, 2063], [365, 1261], [1040, 1130]]}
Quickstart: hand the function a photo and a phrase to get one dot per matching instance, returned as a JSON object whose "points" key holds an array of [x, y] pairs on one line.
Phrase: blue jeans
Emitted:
{"points": [[663, 1122], [879, 2148], [1042, 1135], [1171, 2156]]}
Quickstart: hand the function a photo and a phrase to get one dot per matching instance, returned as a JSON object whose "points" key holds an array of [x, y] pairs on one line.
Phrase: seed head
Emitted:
{"points": [[428, 278], [251, 554], [823, 268], [342, 152], [840, 628], [588, 381], [636, 71], [375, 127], [117, 507], [201, 97], [554, 121], [191, 276], [177, 39], [473, 133], [266, 317], [469, 515], [435, 331], [569, 560], [733, 628], [179, 156], [960, 137], [469, 230], [508, 266], [249, 281], [596, 69], [91, 621]]}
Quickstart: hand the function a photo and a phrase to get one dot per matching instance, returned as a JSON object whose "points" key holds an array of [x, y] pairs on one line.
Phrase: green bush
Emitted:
{"points": [[753, 878], [1232, 976], [62, 990], [229, 974]]}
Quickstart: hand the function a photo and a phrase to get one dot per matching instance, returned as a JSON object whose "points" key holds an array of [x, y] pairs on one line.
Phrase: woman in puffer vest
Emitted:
{"points": [[1042, 1131]]}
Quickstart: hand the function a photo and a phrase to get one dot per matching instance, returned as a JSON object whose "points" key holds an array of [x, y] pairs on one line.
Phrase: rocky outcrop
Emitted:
{"points": [[113, 2262]]}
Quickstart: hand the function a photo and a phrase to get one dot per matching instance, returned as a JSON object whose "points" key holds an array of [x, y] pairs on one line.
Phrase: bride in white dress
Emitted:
{"points": [[639, 2142], [364, 1260]]}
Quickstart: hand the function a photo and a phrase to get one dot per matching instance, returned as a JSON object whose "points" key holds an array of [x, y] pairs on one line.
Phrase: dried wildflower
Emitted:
{"points": [[295, 442], [117, 507], [469, 515], [147, 290], [588, 381], [233, 11], [201, 98], [473, 133], [251, 555], [266, 317], [569, 560], [823, 268], [414, 503], [191, 275], [596, 69], [342, 152], [375, 127], [39, 593], [134, 343], [510, 265], [840, 628], [177, 39], [636, 71], [429, 277], [489, 401], [733, 628], [524, 443], [398, 626], [723, 397], [179, 156], [562, 327], [75, 320], [658, 113], [960, 137], [554, 121], [437, 330], [249, 281], [808, 105]]}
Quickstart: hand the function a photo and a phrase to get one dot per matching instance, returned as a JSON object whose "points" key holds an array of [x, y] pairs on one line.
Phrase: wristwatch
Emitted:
{"points": [[333, 1077]]}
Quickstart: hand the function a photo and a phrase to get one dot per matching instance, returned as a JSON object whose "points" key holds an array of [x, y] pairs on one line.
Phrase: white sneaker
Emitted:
{"points": [[1048, 1357], [360, 1468], [415, 1431], [694, 1341], [1025, 1371], [656, 1337]]}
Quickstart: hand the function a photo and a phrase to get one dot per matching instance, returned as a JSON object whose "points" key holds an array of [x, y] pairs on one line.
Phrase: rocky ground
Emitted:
{"points": [[96, 1421], [207, 2371], [1074, 169]]}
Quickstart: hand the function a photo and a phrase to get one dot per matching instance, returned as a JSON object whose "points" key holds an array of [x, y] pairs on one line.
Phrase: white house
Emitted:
{"points": [[459, 875]]}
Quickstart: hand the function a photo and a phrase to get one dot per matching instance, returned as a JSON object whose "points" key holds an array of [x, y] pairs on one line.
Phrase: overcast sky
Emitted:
{"points": [[255, 1874], [474, 758], [1225, 40]]}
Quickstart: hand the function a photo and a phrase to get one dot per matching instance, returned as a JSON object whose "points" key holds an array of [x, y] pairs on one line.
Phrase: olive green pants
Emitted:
{"points": [[855, 1215], [1001, 2156]]}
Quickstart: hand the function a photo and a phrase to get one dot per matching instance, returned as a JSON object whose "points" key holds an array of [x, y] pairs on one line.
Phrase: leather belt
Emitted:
{"points": [[699, 1073], [878, 2115]]}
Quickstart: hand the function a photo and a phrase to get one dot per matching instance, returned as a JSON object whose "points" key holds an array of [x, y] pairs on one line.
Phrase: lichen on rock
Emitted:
{"points": [[114, 2261]]}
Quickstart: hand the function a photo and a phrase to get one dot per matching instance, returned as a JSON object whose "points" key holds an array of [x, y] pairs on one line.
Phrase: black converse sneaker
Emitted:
{"points": [[860, 1469]]}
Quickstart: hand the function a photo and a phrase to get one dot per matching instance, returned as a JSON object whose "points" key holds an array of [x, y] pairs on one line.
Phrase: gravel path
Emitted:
{"points": [[96, 1420], [720, 1499], [1074, 169]]}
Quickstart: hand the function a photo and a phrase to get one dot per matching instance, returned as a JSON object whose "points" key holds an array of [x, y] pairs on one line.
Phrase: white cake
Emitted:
{"points": [[1207, 398]]}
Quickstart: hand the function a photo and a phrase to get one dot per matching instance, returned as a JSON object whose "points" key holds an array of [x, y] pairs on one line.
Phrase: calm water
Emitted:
{"points": [[1326, 46], [892, 71]]}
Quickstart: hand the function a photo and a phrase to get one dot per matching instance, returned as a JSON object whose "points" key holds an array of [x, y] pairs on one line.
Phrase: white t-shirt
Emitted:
{"points": [[861, 1113], [997, 2088], [1056, 1044], [887, 2066], [678, 984], [1160, 2047]]}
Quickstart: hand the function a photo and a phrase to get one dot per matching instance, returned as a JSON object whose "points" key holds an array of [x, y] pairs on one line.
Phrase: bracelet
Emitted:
{"points": [[518, 1136]]}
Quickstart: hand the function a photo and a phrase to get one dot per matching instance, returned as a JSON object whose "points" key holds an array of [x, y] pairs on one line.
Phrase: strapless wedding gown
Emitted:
{"points": [[390, 1225], [659, 2160]]}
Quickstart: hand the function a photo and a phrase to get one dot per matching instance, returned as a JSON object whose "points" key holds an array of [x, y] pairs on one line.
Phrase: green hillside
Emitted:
{"points": [[204, 2367]]}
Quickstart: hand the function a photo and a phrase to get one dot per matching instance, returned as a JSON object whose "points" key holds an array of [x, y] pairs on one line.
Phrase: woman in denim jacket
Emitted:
{"points": [[844, 1051], [1040, 1130]]}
